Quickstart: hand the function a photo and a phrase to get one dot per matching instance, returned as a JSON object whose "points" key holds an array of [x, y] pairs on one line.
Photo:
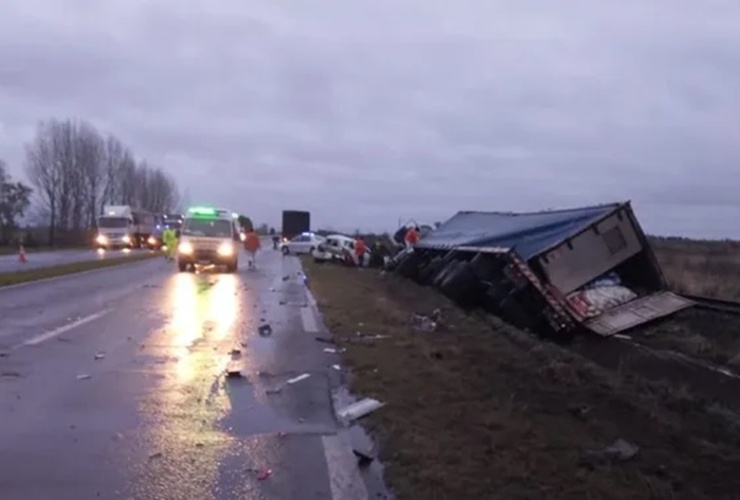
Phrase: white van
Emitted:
{"points": [[337, 247], [209, 236]]}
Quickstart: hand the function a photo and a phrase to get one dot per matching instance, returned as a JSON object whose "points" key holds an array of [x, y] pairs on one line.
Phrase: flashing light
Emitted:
{"points": [[185, 248], [203, 211]]}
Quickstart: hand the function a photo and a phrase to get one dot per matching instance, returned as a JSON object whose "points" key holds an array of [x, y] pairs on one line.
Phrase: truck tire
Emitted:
{"points": [[430, 270], [444, 273], [408, 265], [461, 286]]}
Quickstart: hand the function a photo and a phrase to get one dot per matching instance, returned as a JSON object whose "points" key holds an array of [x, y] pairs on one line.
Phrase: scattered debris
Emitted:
{"points": [[100, 355], [263, 474], [325, 340], [298, 378], [235, 352], [155, 455], [332, 351], [619, 451], [233, 372], [360, 409], [63, 339], [4, 354], [622, 336], [579, 410], [84, 376], [275, 390], [362, 337], [286, 278], [265, 330], [425, 323], [10, 374], [336, 367], [364, 456]]}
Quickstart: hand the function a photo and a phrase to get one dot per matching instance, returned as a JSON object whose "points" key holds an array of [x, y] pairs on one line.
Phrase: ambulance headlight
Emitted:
{"points": [[226, 250], [185, 248]]}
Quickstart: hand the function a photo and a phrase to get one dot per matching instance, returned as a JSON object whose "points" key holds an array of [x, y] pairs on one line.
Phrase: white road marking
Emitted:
{"points": [[311, 299], [308, 320], [344, 477], [64, 328]]}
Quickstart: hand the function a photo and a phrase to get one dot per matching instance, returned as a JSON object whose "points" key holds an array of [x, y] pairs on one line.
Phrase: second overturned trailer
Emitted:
{"points": [[586, 268]]}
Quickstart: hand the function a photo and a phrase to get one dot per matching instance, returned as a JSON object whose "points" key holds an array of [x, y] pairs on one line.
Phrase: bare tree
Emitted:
{"points": [[76, 171]]}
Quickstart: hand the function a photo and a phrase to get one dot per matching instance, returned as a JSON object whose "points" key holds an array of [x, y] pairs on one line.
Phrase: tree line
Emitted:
{"points": [[75, 170]]}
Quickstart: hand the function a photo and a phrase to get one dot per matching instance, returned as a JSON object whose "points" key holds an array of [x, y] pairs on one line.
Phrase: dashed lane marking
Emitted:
{"points": [[62, 329]]}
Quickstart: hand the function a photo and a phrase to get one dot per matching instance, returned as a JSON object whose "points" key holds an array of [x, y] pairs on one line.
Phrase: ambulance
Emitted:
{"points": [[209, 237]]}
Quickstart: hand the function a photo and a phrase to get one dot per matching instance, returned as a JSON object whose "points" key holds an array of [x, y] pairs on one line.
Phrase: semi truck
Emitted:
{"points": [[121, 226], [295, 222]]}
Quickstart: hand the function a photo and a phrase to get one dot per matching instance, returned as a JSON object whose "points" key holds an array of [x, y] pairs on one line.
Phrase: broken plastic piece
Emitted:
{"points": [[336, 367], [264, 330], [360, 409], [84, 376], [364, 457], [236, 352], [99, 355], [276, 390], [330, 350], [298, 378], [263, 474]]}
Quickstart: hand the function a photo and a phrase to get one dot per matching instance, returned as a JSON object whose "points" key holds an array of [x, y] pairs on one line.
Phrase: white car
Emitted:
{"points": [[301, 244], [336, 247]]}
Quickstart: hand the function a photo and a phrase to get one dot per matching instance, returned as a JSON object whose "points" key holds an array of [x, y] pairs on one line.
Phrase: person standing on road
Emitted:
{"points": [[252, 244], [360, 250], [170, 241], [412, 236]]}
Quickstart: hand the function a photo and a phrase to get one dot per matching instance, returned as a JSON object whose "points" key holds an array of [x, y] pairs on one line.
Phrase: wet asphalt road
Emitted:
{"points": [[9, 263], [157, 418]]}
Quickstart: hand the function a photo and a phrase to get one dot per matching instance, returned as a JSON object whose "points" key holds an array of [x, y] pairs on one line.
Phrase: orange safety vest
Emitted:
{"points": [[252, 242], [359, 248]]}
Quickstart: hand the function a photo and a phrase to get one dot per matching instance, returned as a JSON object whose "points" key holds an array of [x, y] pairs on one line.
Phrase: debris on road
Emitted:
{"points": [[156, 455], [233, 371], [263, 474], [333, 351], [298, 378], [619, 451], [84, 376], [10, 374], [336, 367], [99, 355], [424, 323], [364, 456], [275, 390], [235, 352], [359, 409], [286, 277], [4, 354], [265, 330], [326, 340]]}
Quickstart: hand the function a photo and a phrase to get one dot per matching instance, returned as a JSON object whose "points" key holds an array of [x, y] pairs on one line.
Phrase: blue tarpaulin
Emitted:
{"points": [[528, 234]]}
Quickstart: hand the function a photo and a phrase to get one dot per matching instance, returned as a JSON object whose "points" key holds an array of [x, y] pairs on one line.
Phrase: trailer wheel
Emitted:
{"points": [[444, 273], [408, 265], [430, 270], [462, 286]]}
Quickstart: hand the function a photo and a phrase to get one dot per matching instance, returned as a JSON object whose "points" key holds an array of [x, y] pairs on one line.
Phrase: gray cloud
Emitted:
{"points": [[364, 112]]}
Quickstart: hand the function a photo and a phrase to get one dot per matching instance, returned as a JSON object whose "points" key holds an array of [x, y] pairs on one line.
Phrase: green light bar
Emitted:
{"points": [[202, 211]]}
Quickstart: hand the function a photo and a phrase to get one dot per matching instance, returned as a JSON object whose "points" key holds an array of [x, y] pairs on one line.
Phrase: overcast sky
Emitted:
{"points": [[364, 111]]}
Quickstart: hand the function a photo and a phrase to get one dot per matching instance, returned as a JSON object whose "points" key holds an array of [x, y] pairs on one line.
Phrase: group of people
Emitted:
{"points": [[411, 238]]}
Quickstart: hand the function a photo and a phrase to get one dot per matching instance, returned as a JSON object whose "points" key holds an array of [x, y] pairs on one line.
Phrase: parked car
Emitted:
{"points": [[301, 244], [338, 247]]}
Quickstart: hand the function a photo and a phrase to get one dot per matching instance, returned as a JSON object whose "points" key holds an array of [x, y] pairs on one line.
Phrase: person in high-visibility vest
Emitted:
{"points": [[360, 250], [412, 236], [169, 238], [252, 244]]}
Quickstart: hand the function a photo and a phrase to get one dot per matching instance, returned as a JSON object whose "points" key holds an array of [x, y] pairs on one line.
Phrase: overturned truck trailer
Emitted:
{"points": [[559, 271]]}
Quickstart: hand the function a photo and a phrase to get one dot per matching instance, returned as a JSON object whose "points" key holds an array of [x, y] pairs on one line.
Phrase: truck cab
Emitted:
{"points": [[115, 228], [209, 236]]}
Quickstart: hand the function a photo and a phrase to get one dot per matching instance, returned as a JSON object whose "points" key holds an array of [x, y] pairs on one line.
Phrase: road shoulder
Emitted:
{"points": [[481, 411]]}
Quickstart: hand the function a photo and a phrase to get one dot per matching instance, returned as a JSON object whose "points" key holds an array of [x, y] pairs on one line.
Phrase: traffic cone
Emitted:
{"points": [[22, 255]]}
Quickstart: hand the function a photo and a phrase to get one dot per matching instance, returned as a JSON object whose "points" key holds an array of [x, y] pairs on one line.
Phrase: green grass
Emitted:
{"points": [[17, 277]]}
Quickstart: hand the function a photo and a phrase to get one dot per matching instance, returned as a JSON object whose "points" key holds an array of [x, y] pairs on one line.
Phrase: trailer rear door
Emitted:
{"points": [[636, 312]]}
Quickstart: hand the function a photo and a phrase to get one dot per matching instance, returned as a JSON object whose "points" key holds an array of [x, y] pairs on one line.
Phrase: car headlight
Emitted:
{"points": [[151, 240], [126, 239], [101, 239], [226, 250], [185, 248]]}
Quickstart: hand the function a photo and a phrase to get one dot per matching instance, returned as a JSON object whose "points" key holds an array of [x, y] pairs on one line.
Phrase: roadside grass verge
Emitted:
{"points": [[28, 275], [478, 409]]}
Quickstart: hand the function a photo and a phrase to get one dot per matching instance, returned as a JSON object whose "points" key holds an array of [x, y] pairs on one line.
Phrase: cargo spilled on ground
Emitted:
{"points": [[636, 400]]}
